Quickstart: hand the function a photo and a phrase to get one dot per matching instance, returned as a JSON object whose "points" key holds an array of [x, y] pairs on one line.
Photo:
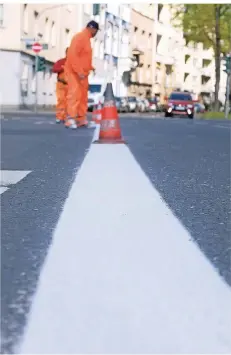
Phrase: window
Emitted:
{"points": [[96, 9], [1, 14], [35, 23], [47, 34], [25, 19], [180, 97], [95, 88], [53, 35]]}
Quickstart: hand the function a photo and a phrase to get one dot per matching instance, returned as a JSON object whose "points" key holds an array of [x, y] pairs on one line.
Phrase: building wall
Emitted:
{"points": [[10, 78], [142, 19], [56, 26]]}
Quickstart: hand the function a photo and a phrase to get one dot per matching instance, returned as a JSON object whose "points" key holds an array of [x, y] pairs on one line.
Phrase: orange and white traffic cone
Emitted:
{"points": [[110, 131]]}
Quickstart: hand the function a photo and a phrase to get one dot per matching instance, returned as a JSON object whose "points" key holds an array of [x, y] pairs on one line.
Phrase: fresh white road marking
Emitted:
{"points": [[11, 177], [122, 274]]}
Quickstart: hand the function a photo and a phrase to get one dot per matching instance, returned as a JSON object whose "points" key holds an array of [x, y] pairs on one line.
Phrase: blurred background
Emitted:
{"points": [[149, 49]]}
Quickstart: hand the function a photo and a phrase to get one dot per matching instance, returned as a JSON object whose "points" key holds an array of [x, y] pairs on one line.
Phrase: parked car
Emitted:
{"points": [[90, 104], [153, 104], [124, 105], [180, 103], [118, 103], [147, 105], [133, 104], [141, 104]]}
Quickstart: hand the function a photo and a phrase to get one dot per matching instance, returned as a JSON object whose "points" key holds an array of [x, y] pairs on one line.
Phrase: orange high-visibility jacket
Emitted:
{"points": [[79, 56]]}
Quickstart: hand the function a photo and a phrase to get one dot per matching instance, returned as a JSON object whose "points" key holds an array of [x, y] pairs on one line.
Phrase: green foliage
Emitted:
{"points": [[198, 23]]}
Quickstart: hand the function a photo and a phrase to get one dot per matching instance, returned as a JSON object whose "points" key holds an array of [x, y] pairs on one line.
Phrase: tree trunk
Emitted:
{"points": [[217, 55]]}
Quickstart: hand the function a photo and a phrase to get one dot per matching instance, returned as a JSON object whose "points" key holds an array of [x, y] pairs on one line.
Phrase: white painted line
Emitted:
{"points": [[220, 126], [11, 177], [3, 189], [96, 133], [122, 275]]}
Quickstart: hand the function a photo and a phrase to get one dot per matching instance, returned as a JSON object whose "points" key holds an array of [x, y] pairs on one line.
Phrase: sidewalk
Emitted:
{"points": [[122, 274]]}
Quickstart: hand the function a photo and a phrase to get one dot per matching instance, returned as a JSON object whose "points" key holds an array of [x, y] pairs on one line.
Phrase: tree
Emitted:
{"points": [[209, 24]]}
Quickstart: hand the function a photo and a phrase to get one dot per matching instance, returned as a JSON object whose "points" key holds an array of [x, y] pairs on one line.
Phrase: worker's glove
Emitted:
{"points": [[81, 76]]}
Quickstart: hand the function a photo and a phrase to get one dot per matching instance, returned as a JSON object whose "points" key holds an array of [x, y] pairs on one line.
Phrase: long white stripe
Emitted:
{"points": [[122, 274]]}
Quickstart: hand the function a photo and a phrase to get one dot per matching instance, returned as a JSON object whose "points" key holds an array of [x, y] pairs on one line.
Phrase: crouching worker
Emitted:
{"points": [[61, 90]]}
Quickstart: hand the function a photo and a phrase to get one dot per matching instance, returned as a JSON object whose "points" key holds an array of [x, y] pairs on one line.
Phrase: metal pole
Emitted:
{"points": [[36, 83], [227, 96]]}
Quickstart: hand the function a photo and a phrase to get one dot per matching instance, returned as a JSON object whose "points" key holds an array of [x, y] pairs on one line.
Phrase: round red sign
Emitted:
{"points": [[37, 47]]}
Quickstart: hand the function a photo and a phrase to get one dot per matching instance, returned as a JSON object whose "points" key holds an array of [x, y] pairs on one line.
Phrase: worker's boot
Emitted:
{"points": [[82, 122], [70, 123]]}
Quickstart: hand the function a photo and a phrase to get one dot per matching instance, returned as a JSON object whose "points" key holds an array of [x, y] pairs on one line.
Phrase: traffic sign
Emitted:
{"points": [[30, 45], [37, 47]]}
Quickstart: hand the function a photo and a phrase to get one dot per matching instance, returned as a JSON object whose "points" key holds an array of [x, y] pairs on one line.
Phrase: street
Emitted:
{"points": [[105, 249]]}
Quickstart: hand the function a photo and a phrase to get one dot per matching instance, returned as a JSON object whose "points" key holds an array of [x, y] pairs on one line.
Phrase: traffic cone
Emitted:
{"points": [[110, 131], [97, 113]]}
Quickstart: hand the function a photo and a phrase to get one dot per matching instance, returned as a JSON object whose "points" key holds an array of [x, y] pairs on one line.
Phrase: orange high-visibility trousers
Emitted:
{"points": [[76, 96], [61, 96]]}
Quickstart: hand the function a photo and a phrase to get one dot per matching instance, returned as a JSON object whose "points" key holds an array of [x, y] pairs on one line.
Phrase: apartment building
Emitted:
{"points": [[199, 73], [182, 65], [168, 59], [52, 24], [111, 46], [142, 19]]}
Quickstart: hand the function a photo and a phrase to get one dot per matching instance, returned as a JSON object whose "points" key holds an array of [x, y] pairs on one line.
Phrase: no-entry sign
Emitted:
{"points": [[37, 47]]}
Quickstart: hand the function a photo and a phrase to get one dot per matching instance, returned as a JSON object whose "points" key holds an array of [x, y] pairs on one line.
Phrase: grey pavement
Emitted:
{"points": [[188, 161]]}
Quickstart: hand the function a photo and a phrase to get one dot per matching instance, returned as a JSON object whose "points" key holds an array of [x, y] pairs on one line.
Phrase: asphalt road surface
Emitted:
{"points": [[187, 161]]}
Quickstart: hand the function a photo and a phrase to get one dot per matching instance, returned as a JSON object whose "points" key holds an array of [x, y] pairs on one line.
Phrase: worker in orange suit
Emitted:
{"points": [[61, 90], [77, 69]]}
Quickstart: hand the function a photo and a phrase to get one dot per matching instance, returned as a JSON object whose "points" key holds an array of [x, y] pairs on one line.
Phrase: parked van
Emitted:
{"points": [[96, 89]]}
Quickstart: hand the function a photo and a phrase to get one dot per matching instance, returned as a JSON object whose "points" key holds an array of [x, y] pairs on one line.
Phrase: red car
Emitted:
{"points": [[180, 103]]}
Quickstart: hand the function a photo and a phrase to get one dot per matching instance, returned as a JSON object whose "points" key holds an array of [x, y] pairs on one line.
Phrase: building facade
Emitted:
{"points": [[22, 24], [111, 45], [138, 39], [141, 49], [181, 65]]}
